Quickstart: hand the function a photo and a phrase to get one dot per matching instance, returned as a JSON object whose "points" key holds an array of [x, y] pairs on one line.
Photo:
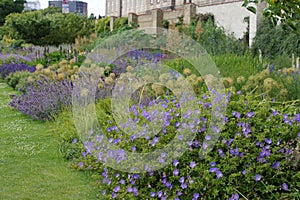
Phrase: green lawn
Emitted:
{"points": [[30, 165]]}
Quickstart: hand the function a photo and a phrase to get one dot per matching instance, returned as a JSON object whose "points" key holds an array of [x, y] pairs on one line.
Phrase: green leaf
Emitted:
{"points": [[251, 9]]}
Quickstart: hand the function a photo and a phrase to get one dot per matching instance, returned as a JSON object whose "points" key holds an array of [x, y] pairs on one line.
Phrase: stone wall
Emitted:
{"points": [[228, 13], [172, 15], [231, 15]]}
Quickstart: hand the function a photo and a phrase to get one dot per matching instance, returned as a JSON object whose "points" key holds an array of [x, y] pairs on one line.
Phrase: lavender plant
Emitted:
{"points": [[6, 69], [44, 99], [135, 58]]}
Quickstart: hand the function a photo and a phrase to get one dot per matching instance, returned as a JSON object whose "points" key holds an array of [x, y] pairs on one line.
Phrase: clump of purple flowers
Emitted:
{"points": [[7, 69], [135, 58], [44, 99]]}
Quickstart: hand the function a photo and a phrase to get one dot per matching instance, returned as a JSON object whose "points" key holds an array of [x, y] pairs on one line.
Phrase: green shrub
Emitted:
{"points": [[65, 132], [256, 156], [282, 85], [274, 41], [215, 40], [281, 61], [18, 80], [47, 28]]}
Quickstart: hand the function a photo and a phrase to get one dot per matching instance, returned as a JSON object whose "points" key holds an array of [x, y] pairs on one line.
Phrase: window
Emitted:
{"points": [[151, 1]]}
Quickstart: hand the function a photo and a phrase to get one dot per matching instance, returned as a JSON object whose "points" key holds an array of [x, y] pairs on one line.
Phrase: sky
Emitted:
{"points": [[94, 6]]}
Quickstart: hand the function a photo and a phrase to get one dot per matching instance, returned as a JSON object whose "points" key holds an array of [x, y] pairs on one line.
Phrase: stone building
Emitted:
{"points": [[32, 5], [74, 6], [148, 13]]}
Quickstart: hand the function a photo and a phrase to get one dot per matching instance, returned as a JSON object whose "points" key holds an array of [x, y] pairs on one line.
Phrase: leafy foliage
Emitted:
{"points": [[48, 28], [103, 26], [266, 163], [10, 6], [18, 80], [214, 39], [280, 11], [274, 41]]}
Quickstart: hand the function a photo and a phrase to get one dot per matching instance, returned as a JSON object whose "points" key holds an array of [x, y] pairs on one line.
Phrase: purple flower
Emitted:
{"points": [[250, 114], [135, 192], [257, 177], [268, 141], [196, 196], [213, 169], [122, 181], [193, 164], [179, 193], [244, 172], [205, 145], [221, 152], [234, 197], [168, 185], [236, 114], [175, 163], [183, 185], [219, 174], [116, 189], [197, 143], [285, 186], [152, 194], [181, 180], [108, 182], [159, 194], [234, 152], [279, 142], [257, 143], [154, 141], [130, 189], [207, 137], [114, 195], [80, 165], [136, 176], [176, 172], [275, 112], [161, 160], [276, 165], [212, 164]]}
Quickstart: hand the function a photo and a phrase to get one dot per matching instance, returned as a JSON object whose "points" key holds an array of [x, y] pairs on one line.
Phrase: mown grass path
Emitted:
{"points": [[30, 165]]}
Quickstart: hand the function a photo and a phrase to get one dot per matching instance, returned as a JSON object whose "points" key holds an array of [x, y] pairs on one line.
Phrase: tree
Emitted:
{"points": [[10, 6], [51, 10], [280, 12], [47, 28]]}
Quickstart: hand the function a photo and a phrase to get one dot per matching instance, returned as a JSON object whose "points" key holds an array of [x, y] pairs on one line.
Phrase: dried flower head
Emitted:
{"points": [[186, 71], [39, 67], [129, 68], [109, 80], [240, 80], [227, 82], [107, 68], [163, 78], [112, 75], [158, 89]]}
